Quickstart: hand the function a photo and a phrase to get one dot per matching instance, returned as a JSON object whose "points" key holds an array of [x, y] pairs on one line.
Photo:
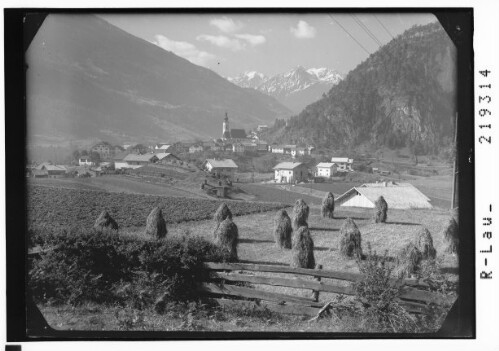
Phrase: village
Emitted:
{"points": [[216, 165]]}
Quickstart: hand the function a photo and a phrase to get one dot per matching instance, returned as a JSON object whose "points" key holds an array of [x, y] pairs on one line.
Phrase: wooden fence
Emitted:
{"points": [[413, 298]]}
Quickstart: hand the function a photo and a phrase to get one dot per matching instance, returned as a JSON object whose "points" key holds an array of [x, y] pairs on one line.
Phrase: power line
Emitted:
{"points": [[382, 25], [351, 36], [366, 30]]}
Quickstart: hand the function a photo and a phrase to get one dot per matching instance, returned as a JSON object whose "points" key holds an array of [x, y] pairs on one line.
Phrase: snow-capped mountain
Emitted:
{"points": [[251, 79], [295, 89]]}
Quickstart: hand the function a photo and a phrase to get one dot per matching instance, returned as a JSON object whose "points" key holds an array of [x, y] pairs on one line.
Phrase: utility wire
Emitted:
{"points": [[351, 36], [382, 25], [366, 30]]}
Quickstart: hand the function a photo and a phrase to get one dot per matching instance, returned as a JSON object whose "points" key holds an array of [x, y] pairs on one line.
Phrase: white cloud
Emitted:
{"points": [[226, 24], [303, 30], [222, 41], [184, 49], [252, 39]]}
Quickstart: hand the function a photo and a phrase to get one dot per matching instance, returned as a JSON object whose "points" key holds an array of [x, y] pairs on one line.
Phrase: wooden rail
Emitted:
{"points": [[412, 299]]}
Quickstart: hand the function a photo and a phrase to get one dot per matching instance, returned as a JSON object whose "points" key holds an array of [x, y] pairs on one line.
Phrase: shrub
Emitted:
{"points": [[282, 230], [378, 296], [451, 235], [102, 267], [300, 214], [226, 238], [155, 224], [351, 240], [303, 249], [425, 244], [381, 210], [327, 209], [105, 221]]}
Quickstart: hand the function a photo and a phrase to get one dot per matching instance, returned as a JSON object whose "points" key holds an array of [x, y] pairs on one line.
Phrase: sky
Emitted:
{"points": [[230, 44]]}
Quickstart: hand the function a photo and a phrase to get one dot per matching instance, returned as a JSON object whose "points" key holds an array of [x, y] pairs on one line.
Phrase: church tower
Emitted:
{"points": [[225, 128]]}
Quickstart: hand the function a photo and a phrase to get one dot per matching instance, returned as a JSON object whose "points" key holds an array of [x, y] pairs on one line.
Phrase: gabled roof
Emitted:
{"points": [[237, 133], [54, 168], [224, 163], [288, 165], [397, 195], [325, 164], [162, 155], [139, 158], [341, 160], [120, 156]]}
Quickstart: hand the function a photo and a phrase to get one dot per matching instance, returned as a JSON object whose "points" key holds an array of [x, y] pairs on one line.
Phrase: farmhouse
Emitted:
{"points": [[290, 172], [161, 147], [195, 148], [283, 149], [164, 157], [85, 161], [344, 163], [104, 149], [54, 171], [326, 169], [299, 151], [244, 146], [135, 161], [222, 167], [397, 195]]}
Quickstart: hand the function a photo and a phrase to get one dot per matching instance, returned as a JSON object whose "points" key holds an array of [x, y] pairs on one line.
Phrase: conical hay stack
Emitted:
{"points": [[381, 210], [327, 209], [351, 240], [282, 230], [451, 235], [424, 244], [223, 212], [303, 249], [155, 224], [105, 221], [227, 237], [409, 260], [300, 214]]}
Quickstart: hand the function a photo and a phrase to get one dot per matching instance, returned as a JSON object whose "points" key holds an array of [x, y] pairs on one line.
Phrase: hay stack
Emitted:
{"points": [[424, 243], [451, 235], [226, 236], [282, 230], [105, 221], [351, 240], [300, 214], [381, 210], [303, 249], [155, 224], [327, 209], [409, 260], [222, 213]]}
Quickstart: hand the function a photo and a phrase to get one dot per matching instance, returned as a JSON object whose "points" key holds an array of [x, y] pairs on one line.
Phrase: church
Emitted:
{"points": [[231, 134]]}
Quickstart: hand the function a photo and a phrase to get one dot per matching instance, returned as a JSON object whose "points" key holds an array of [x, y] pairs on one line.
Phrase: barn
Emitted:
{"points": [[397, 195]]}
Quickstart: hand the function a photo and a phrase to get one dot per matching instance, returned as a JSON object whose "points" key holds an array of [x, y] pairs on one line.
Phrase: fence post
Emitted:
{"points": [[316, 292]]}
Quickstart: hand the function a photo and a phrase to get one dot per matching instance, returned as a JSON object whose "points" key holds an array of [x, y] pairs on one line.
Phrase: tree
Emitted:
{"points": [[95, 157]]}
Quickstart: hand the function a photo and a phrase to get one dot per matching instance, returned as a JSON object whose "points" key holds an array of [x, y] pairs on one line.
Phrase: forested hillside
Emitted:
{"points": [[402, 95]]}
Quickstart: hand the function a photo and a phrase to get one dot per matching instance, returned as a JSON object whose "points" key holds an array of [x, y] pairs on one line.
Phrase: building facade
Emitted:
{"points": [[290, 172], [326, 169]]}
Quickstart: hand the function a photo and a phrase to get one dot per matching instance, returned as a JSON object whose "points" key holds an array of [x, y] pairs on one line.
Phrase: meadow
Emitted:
{"points": [[192, 218]]}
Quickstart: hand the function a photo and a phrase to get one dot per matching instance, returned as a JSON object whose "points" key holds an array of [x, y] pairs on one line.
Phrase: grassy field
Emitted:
{"points": [[256, 245], [273, 194]]}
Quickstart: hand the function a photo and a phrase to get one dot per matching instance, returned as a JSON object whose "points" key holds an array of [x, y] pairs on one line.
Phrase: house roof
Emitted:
{"points": [[397, 195], [139, 158], [288, 165], [325, 164], [225, 163], [162, 155], [341, 160], [120, 156], [162, 146], [54, 168], [237, 133], [40, 172]]}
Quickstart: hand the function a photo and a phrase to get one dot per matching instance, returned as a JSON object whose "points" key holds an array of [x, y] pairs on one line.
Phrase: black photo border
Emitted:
{"points": [[20, 26]]}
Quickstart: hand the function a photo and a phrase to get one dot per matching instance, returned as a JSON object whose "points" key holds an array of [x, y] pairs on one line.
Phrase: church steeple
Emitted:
{"points": [[225, 128]]}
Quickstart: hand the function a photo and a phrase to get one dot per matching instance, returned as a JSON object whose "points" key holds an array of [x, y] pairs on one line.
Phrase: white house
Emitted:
{"points": [[85, 161], [326, 169], [161, 147], [290, 172], [344, 163], [222, 167], [396, 195], [299, 151]]}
